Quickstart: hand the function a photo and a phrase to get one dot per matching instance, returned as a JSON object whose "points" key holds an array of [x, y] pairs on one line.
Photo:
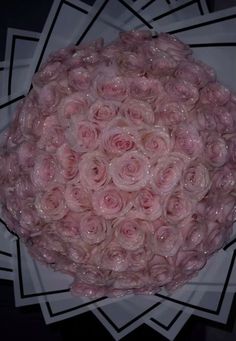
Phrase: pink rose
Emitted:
{"points": [[131, 63], [68, 160], [155, 142], [216, 150], [92, 275], [130, 280], [137, 112], [51, 204], [49, 71], [93, 170], [192, 72], [223, 180], [194, 233], [216, 237], [29, 219], [110, 202], [130, 233], [182, 91], [162, 63], [166, 240], [131, 171], [52, 135], [73, 105], [138, 259], [196, 181], [48, 97], [190, 262], [224, 119], [93, 229], [88, 290], [24, 187], [173, 46], [147, 205], [79, 78], [135, 37], [146, 89], [220, 211], [177, 207], [111, 87], [12, 169], [170, 113], [214, 93], [161, 271], [27, 154], [113, 257], [77, 197], [118, 140], [205, 118], [13, 202], [44, 170], [168, 172], [68, 226], [101, 112], [78, 252]]}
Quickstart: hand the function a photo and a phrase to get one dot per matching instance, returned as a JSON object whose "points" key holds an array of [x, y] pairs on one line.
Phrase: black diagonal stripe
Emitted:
{"points": [[200, 7], [211, 311], [225, 44], [75, 7], [147, 4], [6, 269], [4, 253], [120, 329], [171, 322], [16, 99], [229, 244], [168, 2], [210, 22], [49, 35], [92, 22], [136, 14], [176, 9]]}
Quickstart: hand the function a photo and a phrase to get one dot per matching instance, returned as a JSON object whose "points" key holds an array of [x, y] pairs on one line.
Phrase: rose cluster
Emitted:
{"points": [[120, 165]]}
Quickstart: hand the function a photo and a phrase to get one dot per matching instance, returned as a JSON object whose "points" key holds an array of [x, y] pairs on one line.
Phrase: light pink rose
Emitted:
{"points": [[29, 219], [91, 274], [83, 135], [223, 180], [75, 104], [131, 171], [170, 113], [26, 154], [147, 205], [130, 233], [162, 63], [178, 207], [51, 204], [192, 72], [155, 142], [110, 202], [131, 63], [214, 93], [114, 257], [118, 140], [52, 135], [101, 112], [190, 262], [137, 112], [77, 197], [68, 160], [135, 37], [173, 46], [68, 226], [196, 181], [24, 187], [194, 233], [216, 237], [49, 97], [216, 151], [49, 71], [224, 120], [79, 78], [138, 259], [112, 87], [93, 170], [161, 271], [130, 280], [205, 118], [220, 211], [44, 170], [182, 91], [93, 229], [168, 172], [166, 240], [146, 89], [78, 252]]}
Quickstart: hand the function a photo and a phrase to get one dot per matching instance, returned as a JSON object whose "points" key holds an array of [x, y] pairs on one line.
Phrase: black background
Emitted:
{"points": [[27, 323]]}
